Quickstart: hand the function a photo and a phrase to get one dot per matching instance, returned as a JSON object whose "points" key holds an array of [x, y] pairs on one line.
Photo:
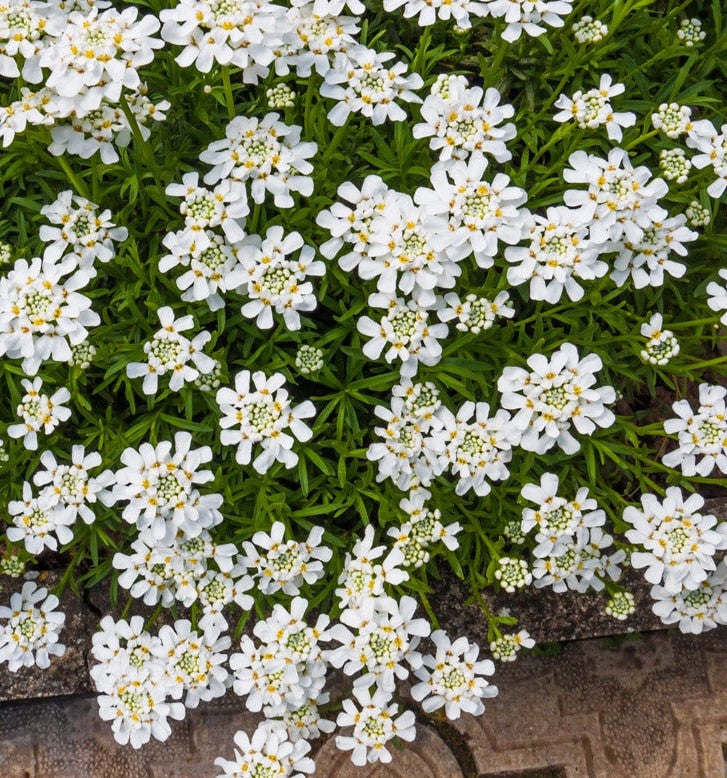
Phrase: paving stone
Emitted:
{"points": [[653, 708], [427, 757]]}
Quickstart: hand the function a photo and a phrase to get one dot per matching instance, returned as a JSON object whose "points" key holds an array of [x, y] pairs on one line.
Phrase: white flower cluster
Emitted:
{"points": [[140, 676], [422, 438], [422, 529], [266, 270], [39, 412], [169, 351], [593, 108], [262, 413], [571, 545], [506, 647], [159, 485], [413, 246], [43, 315], [461, 120], [621, 204], [689, 586], [690, 32], [702, 436], [85, 61], [661, 345], [285, 565], [29, 628], [589, 30]]}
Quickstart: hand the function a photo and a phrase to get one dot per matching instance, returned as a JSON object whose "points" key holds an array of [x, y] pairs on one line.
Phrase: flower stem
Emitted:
{"points": [[72, 177], [229, 97]]}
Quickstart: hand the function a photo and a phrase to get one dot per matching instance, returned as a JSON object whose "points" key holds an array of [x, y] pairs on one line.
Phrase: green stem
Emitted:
{"points": [[229, 97], [72, 177], [143, 145]]}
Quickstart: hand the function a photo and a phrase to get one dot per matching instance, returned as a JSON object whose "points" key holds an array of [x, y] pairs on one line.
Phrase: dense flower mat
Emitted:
{"points": [[301, 302]]}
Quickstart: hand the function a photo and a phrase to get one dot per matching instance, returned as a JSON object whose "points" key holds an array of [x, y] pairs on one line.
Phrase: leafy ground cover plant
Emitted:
{"points": [[301, 302]]}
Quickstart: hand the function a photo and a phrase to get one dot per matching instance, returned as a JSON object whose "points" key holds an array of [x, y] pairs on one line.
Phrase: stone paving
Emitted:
{"points": [[652, 707]]}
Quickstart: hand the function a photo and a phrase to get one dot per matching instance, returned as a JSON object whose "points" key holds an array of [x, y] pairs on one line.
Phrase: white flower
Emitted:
{"points": [[228, 32], [225, 206], [423, 528], [593, 108], [285, 565], [353, 225], [80, 229], [280, 96], [375, 723], [702, 435], [306, 723], [479, 213], [463, 120], [507, 647], [171, 352], [268, 752], [513, 574], [695, 610], [262, 415], [661, 345], [529, 15], [428, 11], [39, 413], [319, 33], [712, 146], [675, 166], [690, 32], [360, 81], [194, 663], [72, 486], [363, 577], [620, 606], [589, 30], [620, 199], [160, 482], [210, 259], [718, 295], [382, 637], [275, 281], [39, 522], [672, 119], [172, 568], [96, 56], [453, 678], [265, 151], [29, 628], [561, 250], [42, 314], [287, 669], [133, 696], [478, 449], [557, 518], [555, 394], [577, 563], [309, 359], [475, 314], [408, 453], [404, 331], [680, 542], [217, 590], [697, 215], [646, 259], [407, 251]]}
